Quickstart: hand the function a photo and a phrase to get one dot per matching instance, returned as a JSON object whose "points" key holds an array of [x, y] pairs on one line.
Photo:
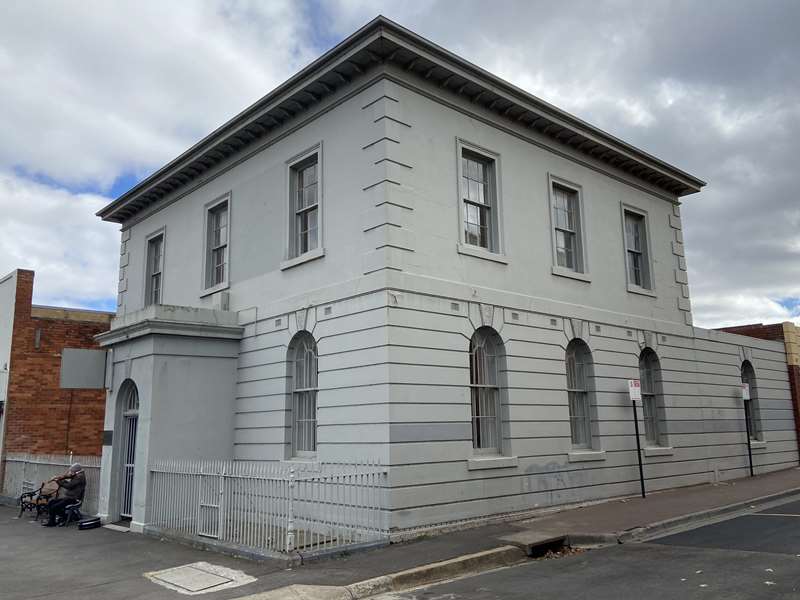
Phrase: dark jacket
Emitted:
{"points": [[74, 487]]}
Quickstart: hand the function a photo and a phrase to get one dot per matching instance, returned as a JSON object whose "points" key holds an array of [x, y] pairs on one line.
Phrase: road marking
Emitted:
{"points": [[775, 515]]}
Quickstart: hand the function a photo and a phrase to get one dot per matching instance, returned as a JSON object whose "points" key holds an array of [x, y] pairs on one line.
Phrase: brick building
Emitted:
{"points": [[36, 416], [788, 333]]}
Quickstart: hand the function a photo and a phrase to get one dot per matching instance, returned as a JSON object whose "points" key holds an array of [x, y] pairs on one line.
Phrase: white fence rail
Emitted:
{"points": [[270, 507], [26, 472]]}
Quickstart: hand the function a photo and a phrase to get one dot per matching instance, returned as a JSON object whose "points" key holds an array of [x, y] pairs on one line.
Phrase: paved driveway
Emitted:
{"points": [[748, 557]]}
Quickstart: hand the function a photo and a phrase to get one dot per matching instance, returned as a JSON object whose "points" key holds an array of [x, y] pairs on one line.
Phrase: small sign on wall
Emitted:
{"points": [[83, 369], [635, 389], [745, 391]]}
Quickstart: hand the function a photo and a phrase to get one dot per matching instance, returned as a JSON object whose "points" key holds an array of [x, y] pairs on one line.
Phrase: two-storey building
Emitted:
{"points": [[397, 255]]}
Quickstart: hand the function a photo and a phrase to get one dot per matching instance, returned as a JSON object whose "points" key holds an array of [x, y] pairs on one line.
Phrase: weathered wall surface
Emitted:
{"points": [[41, 418], [434, 480], [392, 305]]}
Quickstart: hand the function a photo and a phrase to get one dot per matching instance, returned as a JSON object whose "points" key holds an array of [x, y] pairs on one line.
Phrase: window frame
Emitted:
{"points": [[302, 337], [292, 256], [158, 233], [575, 347], [495, 251], [581, 272], [487, 334], [647, 251], [208, 208], [753, 412], [655, 397]]}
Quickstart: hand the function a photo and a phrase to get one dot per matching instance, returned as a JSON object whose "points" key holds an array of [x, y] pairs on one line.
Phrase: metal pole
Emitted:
{"points": [[747, 429], [638, 447]]}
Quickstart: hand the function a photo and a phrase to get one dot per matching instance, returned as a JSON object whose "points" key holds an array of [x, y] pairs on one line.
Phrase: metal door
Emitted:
{"points": [[130, 422]]}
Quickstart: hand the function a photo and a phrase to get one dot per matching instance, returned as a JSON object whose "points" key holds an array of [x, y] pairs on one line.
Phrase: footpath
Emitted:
{"points": [[477, 549], [63, 563]]}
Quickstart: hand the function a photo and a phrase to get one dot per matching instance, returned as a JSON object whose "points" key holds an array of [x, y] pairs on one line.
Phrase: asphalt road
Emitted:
{"points": [[748, 557]]}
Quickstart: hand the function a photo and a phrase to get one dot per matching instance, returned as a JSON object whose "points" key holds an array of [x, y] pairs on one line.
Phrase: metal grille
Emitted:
{"points": [[130, 423], [485, 390], [578, 363], [25, 472], [270, 508], [751, 406], [649, 369], [304, 394]]}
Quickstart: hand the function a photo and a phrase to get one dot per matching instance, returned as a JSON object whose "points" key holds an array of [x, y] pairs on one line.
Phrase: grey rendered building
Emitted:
{"points": [[396, 255]]}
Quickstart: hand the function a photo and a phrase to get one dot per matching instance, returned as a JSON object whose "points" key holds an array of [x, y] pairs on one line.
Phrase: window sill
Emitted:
{"points": [[478, 252], [492, 462], [758, 445], [659, 451], [303, 258], [635, 289], [213, 290], [586, 455], [564, 272]]}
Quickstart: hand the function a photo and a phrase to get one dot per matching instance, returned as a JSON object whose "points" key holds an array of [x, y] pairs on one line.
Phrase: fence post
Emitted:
{"points": [[221, 500], [290, 516]]}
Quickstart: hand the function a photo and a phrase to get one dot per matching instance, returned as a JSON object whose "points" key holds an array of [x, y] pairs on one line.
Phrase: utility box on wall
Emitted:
{"points": [[83, 369]]}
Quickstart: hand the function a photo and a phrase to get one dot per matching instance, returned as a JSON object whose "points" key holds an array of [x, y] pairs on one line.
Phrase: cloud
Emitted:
{"points": [[92, 90], [96, 92], [55, 233], [711, 87]]}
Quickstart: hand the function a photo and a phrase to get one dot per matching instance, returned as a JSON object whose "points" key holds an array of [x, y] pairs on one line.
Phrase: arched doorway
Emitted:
{"points": [[129, 407]]}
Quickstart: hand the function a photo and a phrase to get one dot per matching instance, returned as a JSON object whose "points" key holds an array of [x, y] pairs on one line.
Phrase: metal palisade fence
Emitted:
{"points": [[26, 472], [270, 508]]}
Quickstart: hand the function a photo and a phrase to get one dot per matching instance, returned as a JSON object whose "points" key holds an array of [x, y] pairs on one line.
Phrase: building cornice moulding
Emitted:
{"points": [[383, 42]]}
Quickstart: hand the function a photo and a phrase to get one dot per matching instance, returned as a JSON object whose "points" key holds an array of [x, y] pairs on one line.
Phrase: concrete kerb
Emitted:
{"points": [[447, 569], [403, 580], [653, 529]]}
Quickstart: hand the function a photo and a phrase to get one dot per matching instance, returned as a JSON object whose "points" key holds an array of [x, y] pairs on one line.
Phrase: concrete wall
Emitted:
{"points": [[392, 305], [185, 388], [433, 120], [390, 199], [436, 477]]}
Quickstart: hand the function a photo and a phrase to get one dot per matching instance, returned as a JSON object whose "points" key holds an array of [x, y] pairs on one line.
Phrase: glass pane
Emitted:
{"points": [[310, 195], [471, 234]]}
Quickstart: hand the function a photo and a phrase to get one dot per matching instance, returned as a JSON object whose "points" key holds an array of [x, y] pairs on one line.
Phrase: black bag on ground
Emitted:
{"points": [[92, 523]]}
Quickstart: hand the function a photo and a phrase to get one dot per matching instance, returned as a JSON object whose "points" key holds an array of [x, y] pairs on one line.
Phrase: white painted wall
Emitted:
{"points": [[392, 305], [8, 295]]}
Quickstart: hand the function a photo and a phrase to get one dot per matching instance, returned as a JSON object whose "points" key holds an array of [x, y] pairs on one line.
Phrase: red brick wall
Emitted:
{"points": [[40, 417], [764, 332]]}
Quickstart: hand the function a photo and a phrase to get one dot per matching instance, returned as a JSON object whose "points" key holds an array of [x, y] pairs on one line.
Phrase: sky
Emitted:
{"points": [[96, 95]]}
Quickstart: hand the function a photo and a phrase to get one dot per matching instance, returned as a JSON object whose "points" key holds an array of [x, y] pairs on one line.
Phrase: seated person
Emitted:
{"points": [[71, 486]]}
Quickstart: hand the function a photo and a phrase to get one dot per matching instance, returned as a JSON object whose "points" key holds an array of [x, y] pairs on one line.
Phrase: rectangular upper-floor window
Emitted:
{"points": [[217, 243], [155, 267], [637, 255], [305, 205], [567, 224], [479, 198]]}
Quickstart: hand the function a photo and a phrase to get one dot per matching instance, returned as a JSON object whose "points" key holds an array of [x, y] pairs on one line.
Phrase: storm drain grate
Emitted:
{"points": [[199, 578]]}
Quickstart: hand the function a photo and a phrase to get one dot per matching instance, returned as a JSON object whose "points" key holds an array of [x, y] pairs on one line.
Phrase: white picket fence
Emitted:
{"points": [[270, 508], [26, 472]]}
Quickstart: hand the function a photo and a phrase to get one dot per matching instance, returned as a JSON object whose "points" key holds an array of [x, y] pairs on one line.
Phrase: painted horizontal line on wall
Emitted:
{"points": [[494, 476]]}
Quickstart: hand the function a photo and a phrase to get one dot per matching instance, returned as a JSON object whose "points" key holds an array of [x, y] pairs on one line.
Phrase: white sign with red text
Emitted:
{"points": [[635, 389], [745, 391]]}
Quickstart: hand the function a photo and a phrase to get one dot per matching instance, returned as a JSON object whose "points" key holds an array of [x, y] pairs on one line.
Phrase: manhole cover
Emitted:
{"points": [[199, 578]]}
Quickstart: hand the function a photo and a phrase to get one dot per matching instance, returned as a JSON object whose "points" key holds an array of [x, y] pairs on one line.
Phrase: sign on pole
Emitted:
{"points": [[745, 391], [635, 393]]}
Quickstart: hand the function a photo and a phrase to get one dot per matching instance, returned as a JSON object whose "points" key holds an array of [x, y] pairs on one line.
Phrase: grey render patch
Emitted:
{"points": [[199, 578]]}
